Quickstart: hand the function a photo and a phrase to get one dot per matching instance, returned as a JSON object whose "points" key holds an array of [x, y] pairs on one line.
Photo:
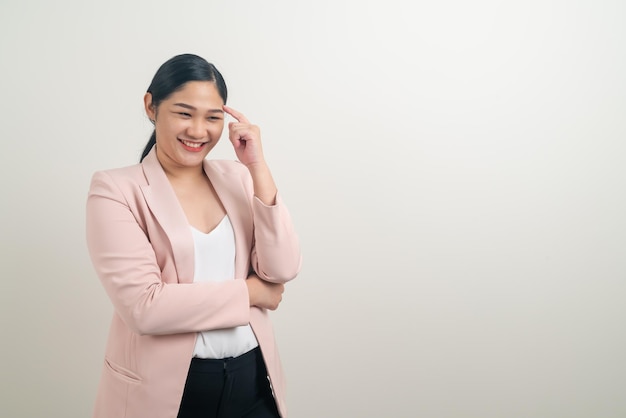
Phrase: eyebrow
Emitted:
{"points": [[186, 106]]}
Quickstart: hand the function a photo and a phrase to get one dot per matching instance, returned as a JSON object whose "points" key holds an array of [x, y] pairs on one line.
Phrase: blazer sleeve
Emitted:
{"points": [[126, 263], [275, 255]]}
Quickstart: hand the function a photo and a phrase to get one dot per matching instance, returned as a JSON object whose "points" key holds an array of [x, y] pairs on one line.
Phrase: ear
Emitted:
{"points": [[150, 109]]}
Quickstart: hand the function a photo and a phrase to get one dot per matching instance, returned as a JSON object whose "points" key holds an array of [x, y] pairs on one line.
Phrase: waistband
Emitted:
{"points": [[206, 365]]}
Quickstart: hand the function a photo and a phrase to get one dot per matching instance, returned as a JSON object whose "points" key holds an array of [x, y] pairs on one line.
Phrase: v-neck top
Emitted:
{"points": [[214, 255]]}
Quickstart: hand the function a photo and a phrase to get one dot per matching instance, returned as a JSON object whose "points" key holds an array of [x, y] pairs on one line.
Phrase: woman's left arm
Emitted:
{"points": [[276, 253]]}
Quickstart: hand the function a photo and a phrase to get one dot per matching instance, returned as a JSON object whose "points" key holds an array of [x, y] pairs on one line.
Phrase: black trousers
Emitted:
{"points": [[230, 388]]}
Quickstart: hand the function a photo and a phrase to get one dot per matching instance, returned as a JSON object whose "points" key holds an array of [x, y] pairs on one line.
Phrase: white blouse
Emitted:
{"points": [[215, 261]]}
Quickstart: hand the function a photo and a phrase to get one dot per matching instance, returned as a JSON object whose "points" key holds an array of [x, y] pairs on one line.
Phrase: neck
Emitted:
{"points": [[179, 173]]}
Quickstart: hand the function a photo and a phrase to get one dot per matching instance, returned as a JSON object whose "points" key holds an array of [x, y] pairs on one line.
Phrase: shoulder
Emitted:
{"points": [[230, 176], [129, 172], [122, 178]]}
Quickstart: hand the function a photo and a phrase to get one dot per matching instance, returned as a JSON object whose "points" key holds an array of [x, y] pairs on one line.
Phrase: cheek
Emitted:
{"points": [[170, 127], [216, 130], [166, 132]]}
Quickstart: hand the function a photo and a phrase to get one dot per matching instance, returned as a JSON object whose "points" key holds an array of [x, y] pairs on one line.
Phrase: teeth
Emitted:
{"points": [[192, 144]]}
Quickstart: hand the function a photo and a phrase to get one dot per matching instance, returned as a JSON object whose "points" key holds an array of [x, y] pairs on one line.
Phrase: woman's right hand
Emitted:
{"points": [[264, 294]]}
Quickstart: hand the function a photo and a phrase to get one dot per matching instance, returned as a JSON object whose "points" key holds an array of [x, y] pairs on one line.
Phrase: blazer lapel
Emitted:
{"points": [[164, 205], [232, 194]]}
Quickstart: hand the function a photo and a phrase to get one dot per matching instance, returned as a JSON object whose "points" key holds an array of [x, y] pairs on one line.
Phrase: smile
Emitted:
{"points": [[196, 146]]}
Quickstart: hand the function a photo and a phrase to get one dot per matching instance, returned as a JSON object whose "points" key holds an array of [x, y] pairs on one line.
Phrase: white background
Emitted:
{"points": [[455, 171]]}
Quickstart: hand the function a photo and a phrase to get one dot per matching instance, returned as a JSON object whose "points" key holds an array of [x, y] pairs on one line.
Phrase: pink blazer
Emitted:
{"points": [[141, 247]]}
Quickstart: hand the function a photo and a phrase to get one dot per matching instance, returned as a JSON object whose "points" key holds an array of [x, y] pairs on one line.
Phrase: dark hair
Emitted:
{"points": [[173, 75]]}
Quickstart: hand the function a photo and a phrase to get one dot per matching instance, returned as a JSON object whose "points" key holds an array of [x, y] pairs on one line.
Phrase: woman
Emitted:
{"points": [[192, 253]]}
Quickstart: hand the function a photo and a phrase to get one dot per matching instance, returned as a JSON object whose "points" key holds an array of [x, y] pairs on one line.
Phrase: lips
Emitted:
{"points": [[192, 146]]}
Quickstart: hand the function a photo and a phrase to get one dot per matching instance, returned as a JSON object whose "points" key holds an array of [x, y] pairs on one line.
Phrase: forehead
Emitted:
{"points": [[198, 94]]}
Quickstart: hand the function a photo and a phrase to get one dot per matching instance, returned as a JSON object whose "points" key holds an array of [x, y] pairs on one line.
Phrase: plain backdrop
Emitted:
{"points": [[455, 170]]}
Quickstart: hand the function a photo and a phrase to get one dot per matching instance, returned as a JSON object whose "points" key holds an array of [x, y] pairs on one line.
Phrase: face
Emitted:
{"points": [[188, 124]]}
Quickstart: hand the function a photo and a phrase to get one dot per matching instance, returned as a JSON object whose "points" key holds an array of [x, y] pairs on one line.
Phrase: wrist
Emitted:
{"points": [[257, 168], [264, 186]]}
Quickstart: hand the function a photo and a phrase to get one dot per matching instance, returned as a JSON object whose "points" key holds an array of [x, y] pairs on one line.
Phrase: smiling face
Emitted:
{"points": [[188, 124]]}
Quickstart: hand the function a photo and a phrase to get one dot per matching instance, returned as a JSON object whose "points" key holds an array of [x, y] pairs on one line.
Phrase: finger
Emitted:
{"points": [[243, 131], [238, 131], [238, 126], [235, 114]]}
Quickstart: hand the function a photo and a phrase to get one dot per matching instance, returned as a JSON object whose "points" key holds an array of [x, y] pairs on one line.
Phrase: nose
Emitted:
{"points": [[196, 129]]}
